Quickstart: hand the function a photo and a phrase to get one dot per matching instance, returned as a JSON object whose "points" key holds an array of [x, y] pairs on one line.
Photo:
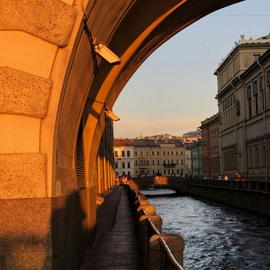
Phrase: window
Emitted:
{"points": [[263, 155], [255, 87], [157, 153], [123, 165], [128, 153], [168, 153], [182, 161], [163, 153], [116, 153], [261, 83], [256, 104], [249, 101], [165, 172], [135, 153], [268, 77], [172, 153], [250, 158], [116, 165], [123, 153], [153, 162], [153, 153], [147, 153], [177, 153], [158, 162], [257, 157], [136, 162], [128, 165], [141, 153]]}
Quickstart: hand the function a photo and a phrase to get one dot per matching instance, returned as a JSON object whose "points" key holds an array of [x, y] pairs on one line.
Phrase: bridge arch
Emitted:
{"points": [[49, 89]]}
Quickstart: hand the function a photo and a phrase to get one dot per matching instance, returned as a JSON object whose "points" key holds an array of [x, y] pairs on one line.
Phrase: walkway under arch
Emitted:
{"points": [[48, 89]]}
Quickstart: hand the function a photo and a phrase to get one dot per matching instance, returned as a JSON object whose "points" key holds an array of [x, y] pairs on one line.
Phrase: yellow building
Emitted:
{"points": [[159, 158]]}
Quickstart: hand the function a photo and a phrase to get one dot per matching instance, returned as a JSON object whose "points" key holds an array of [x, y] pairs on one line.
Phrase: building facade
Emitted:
{"points": [[244, 107], [124, 157], [192, 136], [196, 159], [159, 157], [210, 146], [148, 157]]}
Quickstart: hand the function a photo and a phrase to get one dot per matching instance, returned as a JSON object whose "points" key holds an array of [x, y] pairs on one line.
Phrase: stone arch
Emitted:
{"points": [[47, 89]]}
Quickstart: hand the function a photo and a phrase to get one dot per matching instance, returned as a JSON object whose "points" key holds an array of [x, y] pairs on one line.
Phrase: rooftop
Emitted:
{"points": [[245, 43]]}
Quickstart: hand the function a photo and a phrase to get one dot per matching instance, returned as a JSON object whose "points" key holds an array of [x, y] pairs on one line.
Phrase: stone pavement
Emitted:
{"points": [[115, 247]]}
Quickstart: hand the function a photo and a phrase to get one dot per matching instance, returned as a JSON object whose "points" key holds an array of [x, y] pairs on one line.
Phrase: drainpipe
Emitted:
{"points": [[264, 117]]}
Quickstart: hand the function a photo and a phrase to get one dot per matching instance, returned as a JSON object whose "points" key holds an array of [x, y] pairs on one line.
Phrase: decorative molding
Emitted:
{"points": [[51, 20], [23, 93]]}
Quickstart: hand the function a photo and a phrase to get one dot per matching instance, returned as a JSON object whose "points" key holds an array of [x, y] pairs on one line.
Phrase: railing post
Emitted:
{"points": [[176, 244], [154, 253], [145, 232]]}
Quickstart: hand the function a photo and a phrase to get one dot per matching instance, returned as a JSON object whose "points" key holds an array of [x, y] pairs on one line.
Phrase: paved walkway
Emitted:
{"points": [[115, 247]]}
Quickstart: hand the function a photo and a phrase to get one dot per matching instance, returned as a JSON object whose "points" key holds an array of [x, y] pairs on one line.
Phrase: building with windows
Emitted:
{"points": [[124, 157], [210, 146], [188, 165], [196, 159], [159, 157], [192, 136], [244, 107], [148, 157]]}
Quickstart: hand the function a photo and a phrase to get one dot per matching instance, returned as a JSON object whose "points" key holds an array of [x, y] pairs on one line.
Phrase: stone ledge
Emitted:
{"points": [[51, 20], [22, 176], [23, 93]]}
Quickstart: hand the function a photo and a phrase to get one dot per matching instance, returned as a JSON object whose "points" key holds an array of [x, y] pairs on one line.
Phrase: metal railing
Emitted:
{"points": [[167, 259], [247, 185]]}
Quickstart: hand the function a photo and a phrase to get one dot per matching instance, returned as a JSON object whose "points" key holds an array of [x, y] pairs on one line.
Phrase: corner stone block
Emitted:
{"points": [[22, 176], [51, 20], [23, 93]]}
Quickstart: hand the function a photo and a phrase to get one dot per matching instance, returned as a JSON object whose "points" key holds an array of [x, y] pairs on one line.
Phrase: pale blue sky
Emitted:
{"points": [[174, 90]]}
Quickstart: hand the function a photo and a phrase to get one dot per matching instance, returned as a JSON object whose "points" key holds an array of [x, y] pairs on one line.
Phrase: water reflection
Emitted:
{"points": [[217, 237]]}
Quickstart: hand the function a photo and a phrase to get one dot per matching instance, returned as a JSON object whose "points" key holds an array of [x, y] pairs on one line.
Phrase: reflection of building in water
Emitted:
{"points": [[244, 107]]}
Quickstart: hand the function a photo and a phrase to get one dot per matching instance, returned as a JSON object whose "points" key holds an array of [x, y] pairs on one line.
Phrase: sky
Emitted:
{"points": [[175, 89]]}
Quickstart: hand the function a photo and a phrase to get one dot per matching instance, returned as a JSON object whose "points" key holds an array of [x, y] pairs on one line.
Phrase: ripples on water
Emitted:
{"points": [[216, 237]]}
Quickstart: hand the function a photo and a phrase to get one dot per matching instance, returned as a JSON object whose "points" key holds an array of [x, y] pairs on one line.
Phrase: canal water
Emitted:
{"points": [[216, 236]]}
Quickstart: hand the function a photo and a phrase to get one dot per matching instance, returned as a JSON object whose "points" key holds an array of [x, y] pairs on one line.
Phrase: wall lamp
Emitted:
{"points": [[99, 48], [112, 115], [103, 51]]}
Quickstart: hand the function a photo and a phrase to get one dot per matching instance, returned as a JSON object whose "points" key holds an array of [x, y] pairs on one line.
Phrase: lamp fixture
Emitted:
{"points": [[99, 48], [112, 115]]}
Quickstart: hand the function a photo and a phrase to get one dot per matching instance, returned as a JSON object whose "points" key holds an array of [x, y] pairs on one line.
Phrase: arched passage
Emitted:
{"points": [[47, 61]]}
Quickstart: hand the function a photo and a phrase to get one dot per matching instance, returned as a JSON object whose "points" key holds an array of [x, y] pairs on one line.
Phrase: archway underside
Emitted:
{"points": [[48, 89]]}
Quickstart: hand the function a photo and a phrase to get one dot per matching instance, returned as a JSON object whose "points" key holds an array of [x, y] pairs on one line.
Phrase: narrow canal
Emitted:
{"points": [[216, 236]]}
